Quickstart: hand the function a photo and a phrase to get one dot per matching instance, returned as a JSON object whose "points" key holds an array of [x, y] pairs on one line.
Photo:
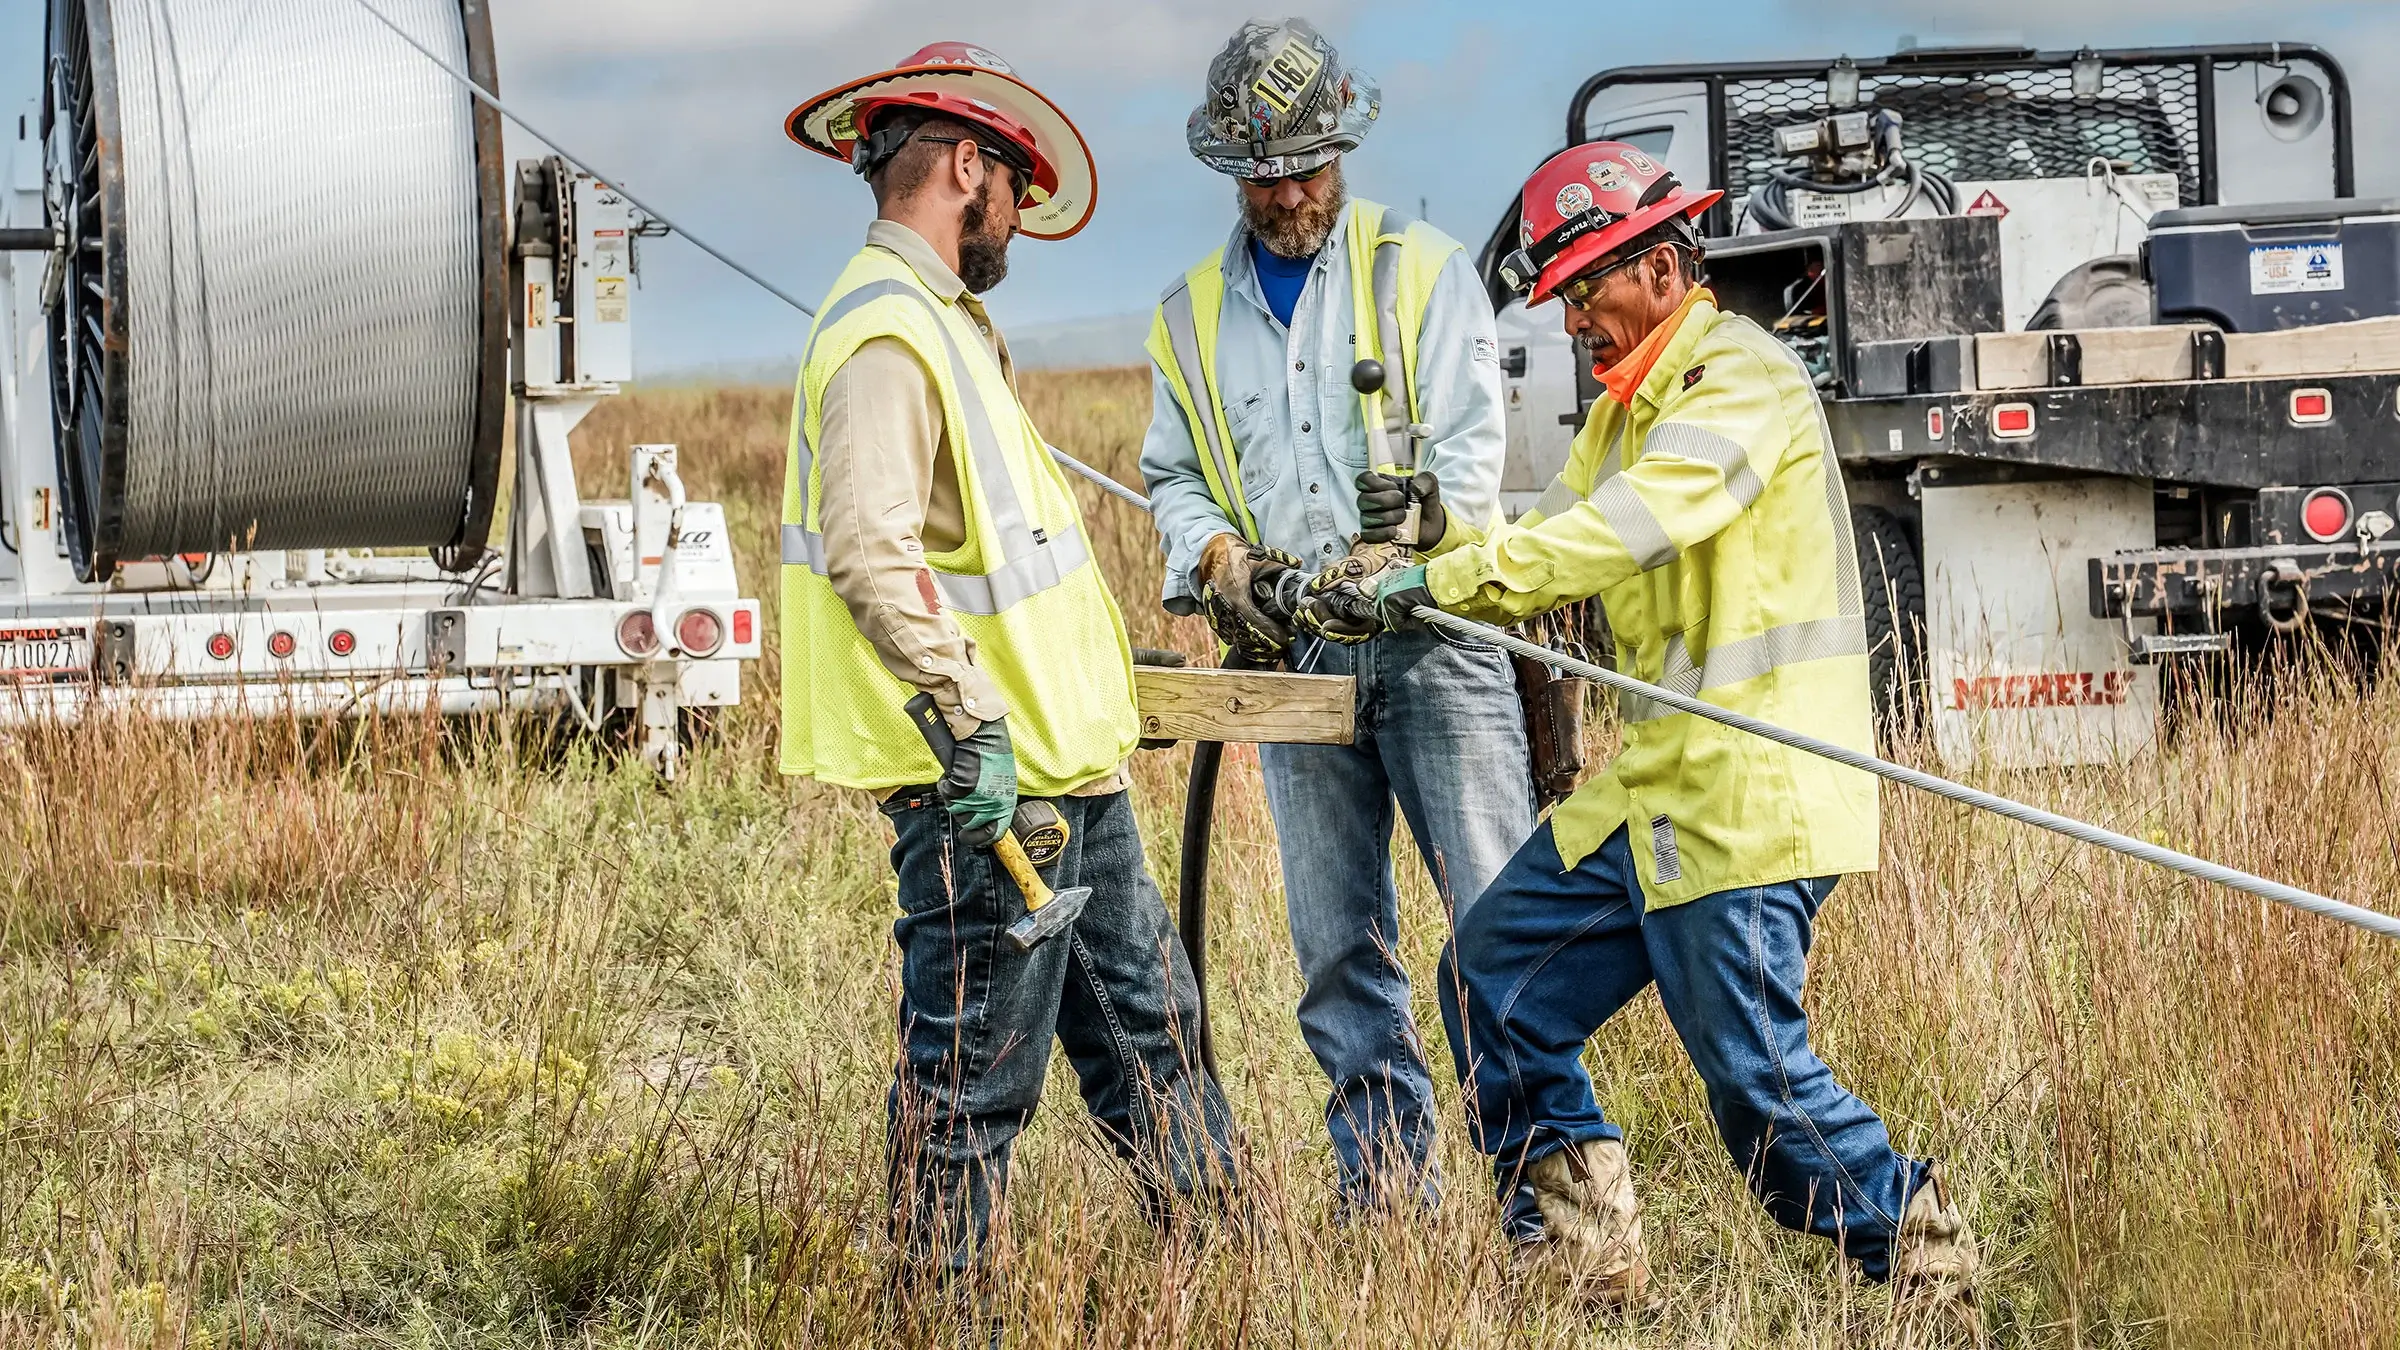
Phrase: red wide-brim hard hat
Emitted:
{"points": [[962, 78]]}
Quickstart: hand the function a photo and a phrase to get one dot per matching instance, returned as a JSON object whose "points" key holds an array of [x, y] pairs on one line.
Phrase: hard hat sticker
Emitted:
{"points": [[1608, 175], [1574, 199], [1287, 76], [1639, 162]]}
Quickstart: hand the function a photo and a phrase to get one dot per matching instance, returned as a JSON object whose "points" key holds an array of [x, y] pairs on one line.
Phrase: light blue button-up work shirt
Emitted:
{"points": [[1295, 419]]}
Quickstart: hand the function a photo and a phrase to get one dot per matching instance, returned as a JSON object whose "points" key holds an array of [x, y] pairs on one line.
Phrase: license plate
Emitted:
{"points": [[46, 654]]}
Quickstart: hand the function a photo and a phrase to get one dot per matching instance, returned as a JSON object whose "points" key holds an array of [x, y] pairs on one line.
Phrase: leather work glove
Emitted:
{"points": [[1233, 573], [1383, 500], [979, 788], [1349, 608]]}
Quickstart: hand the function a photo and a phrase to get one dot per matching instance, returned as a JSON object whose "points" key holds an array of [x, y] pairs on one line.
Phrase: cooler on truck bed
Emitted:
{"points": [[2257, 268]]}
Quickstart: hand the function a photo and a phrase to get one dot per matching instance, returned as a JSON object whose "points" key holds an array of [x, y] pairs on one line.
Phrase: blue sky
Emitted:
{"points": [[683, 99]]}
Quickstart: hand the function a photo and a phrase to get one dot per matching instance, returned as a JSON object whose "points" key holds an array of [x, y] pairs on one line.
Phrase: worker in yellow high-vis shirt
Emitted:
{"points": [[1703, 506], [930, 546]]}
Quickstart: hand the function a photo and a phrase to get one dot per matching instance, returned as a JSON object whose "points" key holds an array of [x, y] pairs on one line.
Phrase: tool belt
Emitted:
{"points": [[1554, 704]]}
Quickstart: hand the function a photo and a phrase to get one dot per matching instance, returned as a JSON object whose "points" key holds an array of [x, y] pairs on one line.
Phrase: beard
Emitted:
{"points": [[982, 250], [1302, 230]]}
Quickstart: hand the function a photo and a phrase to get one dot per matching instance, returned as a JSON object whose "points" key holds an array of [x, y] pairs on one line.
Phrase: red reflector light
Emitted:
{"points": [[2326, 514], [220, 645], [282, 645], [2312, 405], [744, 627], [2012, 420], [699, 632], [341, 642], [637, 635]]}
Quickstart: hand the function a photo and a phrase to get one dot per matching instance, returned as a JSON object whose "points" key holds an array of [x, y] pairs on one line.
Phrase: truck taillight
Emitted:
{"points": [[341, 642], [2012, 421], [281, 645], [2325, 514], [743, 627], [220, 645], [2311, 406], [637, 635], [699, 632]]}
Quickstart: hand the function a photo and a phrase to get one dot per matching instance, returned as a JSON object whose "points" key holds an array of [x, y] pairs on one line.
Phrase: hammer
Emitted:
{"points": [[1037, 834]]}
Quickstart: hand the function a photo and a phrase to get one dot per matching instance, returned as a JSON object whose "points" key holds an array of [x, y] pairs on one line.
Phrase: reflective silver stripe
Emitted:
{"points": [[1613, 463], [1014, 581], [803, 548], [1029, 563], [1747, 659], [1837, 510], [1183, 338], [1808, 640], [1636, 525], [1556, 498], [803, 455], [1685, 441]]}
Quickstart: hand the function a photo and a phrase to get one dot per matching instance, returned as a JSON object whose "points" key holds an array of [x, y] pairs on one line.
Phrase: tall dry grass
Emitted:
{"points": [[400, 1033]]}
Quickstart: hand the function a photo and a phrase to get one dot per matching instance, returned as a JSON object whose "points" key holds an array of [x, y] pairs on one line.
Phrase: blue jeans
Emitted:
{"points": [[1549, 954], [1439, 729], [977, 1015]]}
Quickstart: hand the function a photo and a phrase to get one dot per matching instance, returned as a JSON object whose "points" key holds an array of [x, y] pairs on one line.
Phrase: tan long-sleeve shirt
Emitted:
{"points": [[889, 494]]}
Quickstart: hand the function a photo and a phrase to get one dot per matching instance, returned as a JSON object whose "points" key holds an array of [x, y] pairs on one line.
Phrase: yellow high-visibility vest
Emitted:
{"points": [[1393, 266], [1023, 585], [1709, 518]]}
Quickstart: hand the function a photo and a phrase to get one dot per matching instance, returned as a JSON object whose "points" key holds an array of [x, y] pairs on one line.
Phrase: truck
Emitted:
{"points": [[2108, 350]]}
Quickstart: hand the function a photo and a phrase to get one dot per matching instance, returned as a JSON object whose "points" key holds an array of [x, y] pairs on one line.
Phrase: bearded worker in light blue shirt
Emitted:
{"points": [[1262, 458]]}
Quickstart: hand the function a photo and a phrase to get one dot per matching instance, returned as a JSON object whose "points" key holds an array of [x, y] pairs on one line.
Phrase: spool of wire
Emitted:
{"points": [[281, 321]]}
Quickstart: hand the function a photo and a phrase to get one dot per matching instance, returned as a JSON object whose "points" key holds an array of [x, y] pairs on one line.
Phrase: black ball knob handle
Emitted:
{"points": [[1367, 376]]}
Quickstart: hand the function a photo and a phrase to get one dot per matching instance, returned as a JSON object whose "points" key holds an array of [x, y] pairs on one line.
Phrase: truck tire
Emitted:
{"points": [[1894, 591]]}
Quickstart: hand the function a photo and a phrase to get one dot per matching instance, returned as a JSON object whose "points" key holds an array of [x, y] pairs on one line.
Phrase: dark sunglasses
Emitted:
{"points": [[1021, 178], [1301, 177]]}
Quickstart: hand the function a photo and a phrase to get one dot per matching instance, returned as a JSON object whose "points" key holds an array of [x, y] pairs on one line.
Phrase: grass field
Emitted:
{"points": [[403, 1034]]}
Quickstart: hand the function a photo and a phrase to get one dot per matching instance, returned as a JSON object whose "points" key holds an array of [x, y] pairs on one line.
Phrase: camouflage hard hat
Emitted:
{"points": [[1278, 102]]}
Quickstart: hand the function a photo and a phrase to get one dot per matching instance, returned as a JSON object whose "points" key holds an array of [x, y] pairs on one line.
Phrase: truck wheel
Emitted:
{"points": [[1895, 613]]}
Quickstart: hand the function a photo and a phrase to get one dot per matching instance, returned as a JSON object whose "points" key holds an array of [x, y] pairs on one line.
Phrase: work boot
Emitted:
{"points": [[1591, 1225], [1934, 1260]]}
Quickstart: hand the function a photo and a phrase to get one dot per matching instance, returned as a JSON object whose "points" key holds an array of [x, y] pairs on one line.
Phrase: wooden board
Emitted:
{"points": [[2329, 349], [2160, 354], [1197, 703]]}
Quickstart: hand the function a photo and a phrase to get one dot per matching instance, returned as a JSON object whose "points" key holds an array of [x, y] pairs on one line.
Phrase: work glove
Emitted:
{"points": [[1383, 500], [1347, 607], [1233, 575], [979, 788]]}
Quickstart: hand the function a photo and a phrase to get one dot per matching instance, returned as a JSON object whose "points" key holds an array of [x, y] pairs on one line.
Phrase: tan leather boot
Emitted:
{"points": [[1934, 1260], [1591, 1225]]}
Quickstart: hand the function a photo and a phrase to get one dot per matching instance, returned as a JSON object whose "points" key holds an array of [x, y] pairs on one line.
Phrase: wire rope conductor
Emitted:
{"points": [[2323, 906]]}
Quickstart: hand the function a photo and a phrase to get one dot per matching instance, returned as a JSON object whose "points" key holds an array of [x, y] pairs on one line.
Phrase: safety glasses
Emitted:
{"points": [[1579, 292], [1300, 177]]}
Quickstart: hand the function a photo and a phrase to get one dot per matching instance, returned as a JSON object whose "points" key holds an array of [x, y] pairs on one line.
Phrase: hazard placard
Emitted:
{"points": [[1989, 204]]}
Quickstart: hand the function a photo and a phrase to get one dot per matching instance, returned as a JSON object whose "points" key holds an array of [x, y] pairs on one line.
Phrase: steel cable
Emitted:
{"points": [[303, 240], [2323, 906]]}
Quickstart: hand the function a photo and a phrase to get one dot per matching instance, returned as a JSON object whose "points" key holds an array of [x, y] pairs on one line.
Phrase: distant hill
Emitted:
{"points": [[1069, 344]]}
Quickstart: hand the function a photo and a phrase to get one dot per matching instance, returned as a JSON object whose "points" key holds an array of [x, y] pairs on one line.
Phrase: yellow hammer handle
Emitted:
{"points": [[1021, 869]]}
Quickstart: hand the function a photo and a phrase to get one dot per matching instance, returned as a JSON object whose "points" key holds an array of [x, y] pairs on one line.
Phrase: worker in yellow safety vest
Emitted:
{"points": [[932, 548], [1265, 461], [1703, 506]]}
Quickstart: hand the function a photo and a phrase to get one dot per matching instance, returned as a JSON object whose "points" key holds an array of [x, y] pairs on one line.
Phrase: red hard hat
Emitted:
{"points": [[1585, 202], [961, 80]]}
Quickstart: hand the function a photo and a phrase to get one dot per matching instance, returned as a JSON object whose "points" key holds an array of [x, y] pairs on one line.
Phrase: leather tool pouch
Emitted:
{"points": [[1553, 705]]}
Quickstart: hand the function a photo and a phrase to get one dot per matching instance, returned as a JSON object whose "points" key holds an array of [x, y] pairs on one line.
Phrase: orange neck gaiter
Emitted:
{"points": [[1627, 375]]}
